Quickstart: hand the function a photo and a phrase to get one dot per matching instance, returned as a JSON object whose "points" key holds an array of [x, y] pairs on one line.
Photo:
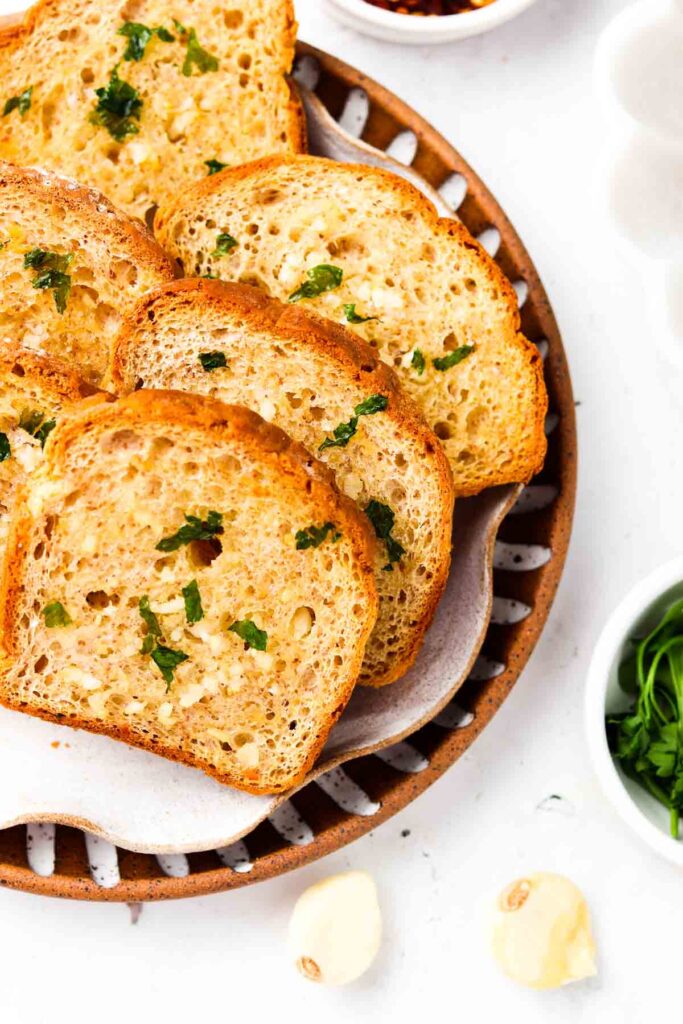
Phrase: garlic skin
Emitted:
{"points": [[336, 928], [542, 932]]}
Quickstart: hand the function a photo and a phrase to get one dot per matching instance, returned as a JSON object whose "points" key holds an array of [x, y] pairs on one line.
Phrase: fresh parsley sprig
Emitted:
{"points": [[51, 273], [249, 632], [343, 433], [453, 358], [195, 56], [214, 166], [352, 317], [313, 536], [118, 107], [22, 103], [382, 518], [165, 658], [5, 450], [139, 36], [225, 243], [323, 278], [212, 361], [194, 529], [34, 423], [55, 614], [647, 740]]}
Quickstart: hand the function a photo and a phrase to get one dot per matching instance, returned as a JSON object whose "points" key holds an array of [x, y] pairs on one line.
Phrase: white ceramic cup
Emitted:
{"points": [[638, 613], [405, 28]]}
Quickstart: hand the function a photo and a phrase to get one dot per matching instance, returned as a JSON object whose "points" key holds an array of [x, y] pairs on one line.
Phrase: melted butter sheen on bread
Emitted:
{"points": [[233, 107], [118, 478], [110, 260], [307, 376], [431, 291]]}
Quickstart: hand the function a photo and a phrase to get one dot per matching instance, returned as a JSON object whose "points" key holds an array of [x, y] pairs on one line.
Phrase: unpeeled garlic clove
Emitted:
{"points": [[542, 932], [336, 928]]}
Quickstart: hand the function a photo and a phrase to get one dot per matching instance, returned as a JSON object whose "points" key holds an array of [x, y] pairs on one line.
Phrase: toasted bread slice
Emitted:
{"points": [[153, 590], [308, 375], [70, 265], [354, 242], [33, 392], [187, 87]]}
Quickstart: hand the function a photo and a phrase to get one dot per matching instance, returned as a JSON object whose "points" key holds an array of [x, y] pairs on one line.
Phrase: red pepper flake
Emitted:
{"points": [[429, 8]]}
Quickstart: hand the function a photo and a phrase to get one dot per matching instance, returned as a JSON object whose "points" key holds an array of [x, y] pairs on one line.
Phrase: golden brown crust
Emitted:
{"points": [[408, 194], [221, 422], [93, 207], [340, 345], [52, 375]]}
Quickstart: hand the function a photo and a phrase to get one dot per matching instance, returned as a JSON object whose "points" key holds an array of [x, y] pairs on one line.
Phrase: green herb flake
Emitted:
{"points": [[214, 166], [55, 614], [51, 273], [323, 278], [225, 243], [22, 103], [194, 611], [352, 317], [314, 536], [138, 37], [382, 518], [343, 433], [194, 529], [118, 106], [212, 361], [5, 450], [251, 634], [167, 661], [647, 740], [418, 362], [453, 358], [196, 56], [149, 618], [34, 423]]}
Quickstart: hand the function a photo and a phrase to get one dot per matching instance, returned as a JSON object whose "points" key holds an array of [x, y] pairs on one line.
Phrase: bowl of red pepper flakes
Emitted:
{"points": [[425, 21]]}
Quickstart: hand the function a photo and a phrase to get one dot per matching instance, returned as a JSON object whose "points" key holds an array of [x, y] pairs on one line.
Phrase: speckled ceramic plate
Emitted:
{"points": [[391, 743]]}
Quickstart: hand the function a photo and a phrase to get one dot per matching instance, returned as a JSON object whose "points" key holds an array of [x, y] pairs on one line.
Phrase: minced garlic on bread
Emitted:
{"points": [[137, 98], [33, 392], [308, 376], [153, 590], [70, 265], [364, 247]]}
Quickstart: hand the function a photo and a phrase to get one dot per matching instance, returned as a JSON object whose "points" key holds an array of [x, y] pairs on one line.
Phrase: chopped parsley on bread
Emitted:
{"points": [[139, 98], [364, 248], [154, 591], [329, 391]]}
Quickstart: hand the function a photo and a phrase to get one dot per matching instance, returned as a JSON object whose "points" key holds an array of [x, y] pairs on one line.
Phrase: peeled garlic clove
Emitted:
{"points": [[542, 932], [336, 928]]}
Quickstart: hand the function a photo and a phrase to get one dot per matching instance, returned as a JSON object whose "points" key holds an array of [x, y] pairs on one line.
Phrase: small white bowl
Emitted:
{"points": [[406, 28], [637, 614]]}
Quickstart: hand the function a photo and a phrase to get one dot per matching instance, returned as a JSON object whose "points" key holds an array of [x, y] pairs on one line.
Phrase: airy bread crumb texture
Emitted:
{"points": [[234, 105], [110, 260], [117, 479], [307, 376], [33, 392], [428, 288]]}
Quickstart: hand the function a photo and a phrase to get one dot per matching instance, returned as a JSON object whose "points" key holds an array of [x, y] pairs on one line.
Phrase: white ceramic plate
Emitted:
{"points": [[403, 28]]}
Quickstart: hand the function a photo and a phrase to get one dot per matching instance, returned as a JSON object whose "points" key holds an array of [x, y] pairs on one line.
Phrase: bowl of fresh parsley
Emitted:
{"points": [[634, 709]]}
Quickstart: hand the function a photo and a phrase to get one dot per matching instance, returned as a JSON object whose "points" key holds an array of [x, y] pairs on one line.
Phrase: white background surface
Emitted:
{"points": [[518, 103]]}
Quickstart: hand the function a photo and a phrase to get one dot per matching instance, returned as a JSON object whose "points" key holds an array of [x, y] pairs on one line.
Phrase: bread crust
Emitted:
{"points": [[412, 198], [52, 375], [221, 422], [94, 207], [260, 312], [16, 31]]}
